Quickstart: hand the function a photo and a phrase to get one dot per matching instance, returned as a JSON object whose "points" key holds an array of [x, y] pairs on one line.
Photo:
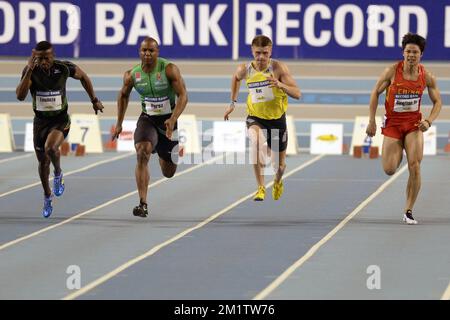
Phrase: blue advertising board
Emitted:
{"points": [[223, 29], [339, 29]]}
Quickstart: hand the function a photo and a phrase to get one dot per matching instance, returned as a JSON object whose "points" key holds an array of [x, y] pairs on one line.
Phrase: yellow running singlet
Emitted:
{"points": [[262, 101]]}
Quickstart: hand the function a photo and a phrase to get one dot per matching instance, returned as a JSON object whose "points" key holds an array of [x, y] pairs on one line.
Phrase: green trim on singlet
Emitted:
{"points": [[154, 84]]}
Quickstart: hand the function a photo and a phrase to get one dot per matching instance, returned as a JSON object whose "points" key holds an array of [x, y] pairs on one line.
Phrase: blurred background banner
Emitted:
{"points": [[223, 29]]}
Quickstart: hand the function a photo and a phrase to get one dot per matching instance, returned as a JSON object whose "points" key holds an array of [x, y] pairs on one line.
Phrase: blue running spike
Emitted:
{"points": [[58, 185], [48, 208]]}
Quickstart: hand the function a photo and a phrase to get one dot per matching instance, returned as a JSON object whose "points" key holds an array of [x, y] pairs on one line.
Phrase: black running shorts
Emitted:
{"points": [[42, 126], [275, 131], [152, 129]]}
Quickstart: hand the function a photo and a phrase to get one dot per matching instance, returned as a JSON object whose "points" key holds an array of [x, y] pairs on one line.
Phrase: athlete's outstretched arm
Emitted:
{"points": [[435, 97], [235, 85], [122, 102], [87, 85], [178, 85], [383, 82], [284, 81]]}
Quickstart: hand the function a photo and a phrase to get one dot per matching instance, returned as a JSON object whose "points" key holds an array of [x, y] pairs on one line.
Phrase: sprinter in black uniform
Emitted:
{"points": [[46, 79]]}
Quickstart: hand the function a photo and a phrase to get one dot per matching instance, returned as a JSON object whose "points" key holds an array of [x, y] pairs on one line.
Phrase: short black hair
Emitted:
{"points": [[414, 38], [43, 45]]}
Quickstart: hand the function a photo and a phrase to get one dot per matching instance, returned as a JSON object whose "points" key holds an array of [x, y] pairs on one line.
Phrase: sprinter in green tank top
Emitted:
{"points": [[45, 78], [158, 82]]}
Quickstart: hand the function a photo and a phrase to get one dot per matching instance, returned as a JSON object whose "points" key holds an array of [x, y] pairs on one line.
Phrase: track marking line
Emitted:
{"points": [[281, 278], [446, 295], [105, 204], [90, 166], [15, 158], [160, 246]]}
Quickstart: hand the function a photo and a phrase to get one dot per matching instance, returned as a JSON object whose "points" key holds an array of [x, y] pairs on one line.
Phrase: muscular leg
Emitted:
{"points": [[414, 154], [54, 140], [143, 152], [392, 154], [257, 141], [278, 158], [279, 164], [50, 154], [44, 171]]}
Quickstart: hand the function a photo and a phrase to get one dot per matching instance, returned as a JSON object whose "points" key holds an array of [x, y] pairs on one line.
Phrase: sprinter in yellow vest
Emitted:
{"points": [[163, 99], [269, 83]]}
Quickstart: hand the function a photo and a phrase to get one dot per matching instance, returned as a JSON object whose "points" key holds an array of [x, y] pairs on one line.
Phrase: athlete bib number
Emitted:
{"points": [[406, 102], [260, 91], [157, 106], [48, 100]]}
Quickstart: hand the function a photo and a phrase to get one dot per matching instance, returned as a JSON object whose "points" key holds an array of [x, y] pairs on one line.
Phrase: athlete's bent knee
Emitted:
{"points": [[51, 150], [169, 172], [414, 168], [390, 171], [143, 155]]}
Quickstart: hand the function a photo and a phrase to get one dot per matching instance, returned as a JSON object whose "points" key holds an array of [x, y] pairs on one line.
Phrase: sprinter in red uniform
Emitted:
{"points": [[404, 125]]}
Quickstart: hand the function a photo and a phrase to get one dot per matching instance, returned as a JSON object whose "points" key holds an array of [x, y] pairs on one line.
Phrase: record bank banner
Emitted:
{"points": [[223, 29]]}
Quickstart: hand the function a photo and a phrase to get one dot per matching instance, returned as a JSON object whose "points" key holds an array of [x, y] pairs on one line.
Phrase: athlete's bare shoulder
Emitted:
{"points": [[279, 66], [127, 79], [240, 72], [389, 72], [430, 78], [392, 67]]}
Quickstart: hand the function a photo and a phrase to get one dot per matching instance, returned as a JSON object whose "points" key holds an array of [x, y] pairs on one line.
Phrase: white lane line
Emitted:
{"points": [[16, 158], [160, 246], [281, 278], [79, 215], [446, 295], [92, 165]]}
